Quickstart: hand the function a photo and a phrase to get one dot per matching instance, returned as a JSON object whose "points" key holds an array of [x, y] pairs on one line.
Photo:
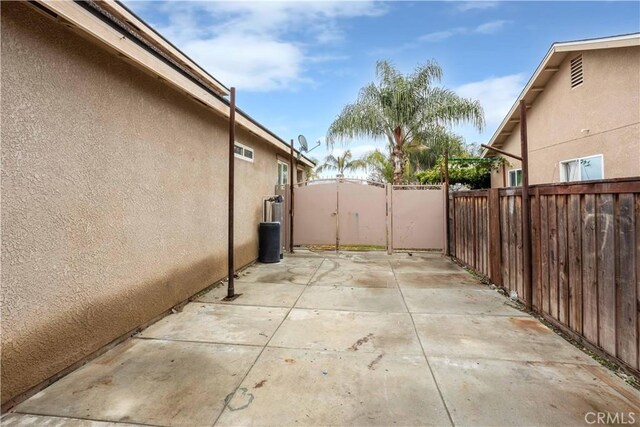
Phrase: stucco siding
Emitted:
{"points": [[601, 116], [114, 197]]}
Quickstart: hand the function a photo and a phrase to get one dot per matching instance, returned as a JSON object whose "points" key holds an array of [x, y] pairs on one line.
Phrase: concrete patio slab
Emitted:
{"points": [[345, 355], [354, 264], [348, 331], [327, 388], [365, 260], [22, 420], [278, 273], [421, 265], [435, 280], [494, 337], [219, 323], [151, 382], [352, 299], [313, 261], [465, 300], [530, 393], [338, 274], [256, 293]]}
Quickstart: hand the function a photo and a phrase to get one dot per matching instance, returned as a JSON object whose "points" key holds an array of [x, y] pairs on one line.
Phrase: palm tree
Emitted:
{"points": [[404, 109], [379, 166], [423, 156], [312, 172], [341, 163]]}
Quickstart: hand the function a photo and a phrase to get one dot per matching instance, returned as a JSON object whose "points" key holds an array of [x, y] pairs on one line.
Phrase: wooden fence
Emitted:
{"points": [[585, 250]]}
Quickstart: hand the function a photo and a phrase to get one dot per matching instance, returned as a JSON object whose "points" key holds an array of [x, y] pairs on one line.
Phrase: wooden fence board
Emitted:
{"points": [[563, 264], [589, 269], [485, 237], [495, 239], [544, 256], [474, 230], [467, 234], [637, 262], [553, 257], [517, 262], [606, 272], [626, 320], [504, 233], [513, 242], [535, 252], [575, 263]]}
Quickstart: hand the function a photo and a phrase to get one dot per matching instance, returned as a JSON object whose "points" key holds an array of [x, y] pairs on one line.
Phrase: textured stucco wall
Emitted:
{"points": [[607, 104], [114, 190]]}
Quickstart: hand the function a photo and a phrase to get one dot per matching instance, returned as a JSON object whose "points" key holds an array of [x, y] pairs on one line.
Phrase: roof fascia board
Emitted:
{"points": [[99, 30], [514, 107], [120, 11], [607, 43]]}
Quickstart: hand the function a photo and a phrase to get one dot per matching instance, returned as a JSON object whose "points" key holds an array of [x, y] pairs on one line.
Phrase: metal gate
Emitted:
{"points": [[351, 212]]}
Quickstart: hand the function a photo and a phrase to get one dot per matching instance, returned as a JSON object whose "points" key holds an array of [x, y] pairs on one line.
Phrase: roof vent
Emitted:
{"points": [[577, 76]]}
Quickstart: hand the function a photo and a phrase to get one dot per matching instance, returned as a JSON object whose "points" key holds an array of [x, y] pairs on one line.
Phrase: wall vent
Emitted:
{"points": [[577, 76]]}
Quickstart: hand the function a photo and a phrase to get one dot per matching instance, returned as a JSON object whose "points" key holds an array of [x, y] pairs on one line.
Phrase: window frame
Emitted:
{"points": [[515, 172], [243, 156], [286, 175], [563, 177]]}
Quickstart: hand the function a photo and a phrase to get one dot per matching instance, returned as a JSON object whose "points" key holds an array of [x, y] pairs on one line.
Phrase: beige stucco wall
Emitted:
{"points": [[114, 197], [607, 104]]}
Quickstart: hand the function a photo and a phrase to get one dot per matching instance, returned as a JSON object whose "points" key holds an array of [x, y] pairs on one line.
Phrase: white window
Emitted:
{"points": [[515, 177], [283, 173], [582, 169], [243, 152]]}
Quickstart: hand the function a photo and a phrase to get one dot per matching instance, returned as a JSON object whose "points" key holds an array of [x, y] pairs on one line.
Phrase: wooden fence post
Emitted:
{"points": [[526, 212], [454, 226], [495, 242], [446, 201]]}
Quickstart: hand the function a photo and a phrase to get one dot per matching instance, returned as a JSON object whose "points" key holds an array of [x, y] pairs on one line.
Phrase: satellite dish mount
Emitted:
{"points": [[304, 146]]}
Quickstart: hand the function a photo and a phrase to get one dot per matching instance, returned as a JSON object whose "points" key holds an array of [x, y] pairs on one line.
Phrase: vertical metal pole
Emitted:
{"points": [[391, 208], [526, 212], [291, 200], [232, 140], [446, 200], [387, 191], [337, 214]]}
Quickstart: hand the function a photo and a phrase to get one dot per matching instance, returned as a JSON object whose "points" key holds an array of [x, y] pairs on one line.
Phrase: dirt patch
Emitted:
{"points": [[290, 361], [361, 341], [259, 384], [529, 325]]}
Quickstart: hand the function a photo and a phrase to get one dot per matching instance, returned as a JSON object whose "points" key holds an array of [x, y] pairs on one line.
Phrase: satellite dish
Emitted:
{"points": [[304, 146], [303, 143]]}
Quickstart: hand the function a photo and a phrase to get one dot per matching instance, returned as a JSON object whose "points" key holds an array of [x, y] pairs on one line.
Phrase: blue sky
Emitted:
{"points": [[296, 64]]}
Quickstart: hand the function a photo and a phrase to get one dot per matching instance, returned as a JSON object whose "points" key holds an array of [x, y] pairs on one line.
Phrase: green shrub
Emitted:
{"points": [[474, 173]]}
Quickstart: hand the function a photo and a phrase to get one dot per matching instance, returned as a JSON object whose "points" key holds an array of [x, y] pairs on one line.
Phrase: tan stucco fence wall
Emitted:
{"points": [[114, 197], [601, 116]]}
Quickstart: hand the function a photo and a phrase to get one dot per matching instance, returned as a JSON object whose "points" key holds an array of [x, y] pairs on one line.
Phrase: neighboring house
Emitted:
{"points": [[583, 115], [114, 182]]}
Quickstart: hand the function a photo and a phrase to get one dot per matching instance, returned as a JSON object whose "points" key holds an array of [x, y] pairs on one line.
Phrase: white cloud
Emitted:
{"points": [[248, 62], [441, 35], [258, 45], [490, 27], [496, 95], [475, 5], [485, 28]]}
